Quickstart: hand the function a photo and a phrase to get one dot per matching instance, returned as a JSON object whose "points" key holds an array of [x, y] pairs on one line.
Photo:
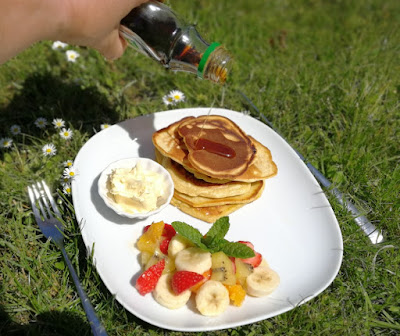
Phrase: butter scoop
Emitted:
{"points": [[135, 187]]}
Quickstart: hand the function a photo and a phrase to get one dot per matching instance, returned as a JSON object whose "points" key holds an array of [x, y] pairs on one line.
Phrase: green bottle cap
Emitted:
{"points": [[204, 58]]}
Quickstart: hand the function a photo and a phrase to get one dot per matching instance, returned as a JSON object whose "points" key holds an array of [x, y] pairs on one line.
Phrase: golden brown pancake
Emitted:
{"points": [[215, 166], [216, 146], [168, 141], [185, 182], [255, 192], [170, 144], [263, 167], [207, 214]]}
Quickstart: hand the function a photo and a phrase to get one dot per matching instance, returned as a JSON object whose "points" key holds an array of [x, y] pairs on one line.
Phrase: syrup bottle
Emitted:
{"points": [[156, 31]]}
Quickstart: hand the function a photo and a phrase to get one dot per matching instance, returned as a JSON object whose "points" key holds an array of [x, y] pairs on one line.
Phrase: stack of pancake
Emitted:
{"points": [[215, 166]]}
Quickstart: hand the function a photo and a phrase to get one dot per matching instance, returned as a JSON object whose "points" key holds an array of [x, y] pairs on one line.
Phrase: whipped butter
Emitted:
{"points": [[136, 190]]}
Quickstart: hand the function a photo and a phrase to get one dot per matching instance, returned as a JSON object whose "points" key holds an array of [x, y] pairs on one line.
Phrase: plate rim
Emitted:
{"points": [[195, 111]]}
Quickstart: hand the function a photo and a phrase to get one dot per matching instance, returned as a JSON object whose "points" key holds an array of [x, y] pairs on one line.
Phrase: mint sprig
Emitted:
{"points": [[219, 229], [214, 241], [190, 233]]}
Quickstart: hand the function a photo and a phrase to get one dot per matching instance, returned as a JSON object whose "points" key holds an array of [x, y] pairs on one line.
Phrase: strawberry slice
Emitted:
{"points": [[183, 280], [247, 243], [169, 231], [254, 261], [233, 263], [206, 277], [149, 278], [164, 245]]}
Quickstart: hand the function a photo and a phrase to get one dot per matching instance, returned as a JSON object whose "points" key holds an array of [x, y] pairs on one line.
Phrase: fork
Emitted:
{"points": [[53, 229]]}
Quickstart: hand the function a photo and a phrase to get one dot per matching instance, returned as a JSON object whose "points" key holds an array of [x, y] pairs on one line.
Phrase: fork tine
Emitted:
{"points": [[44, 199], [51, 199], [39, 198], [32, 198]]}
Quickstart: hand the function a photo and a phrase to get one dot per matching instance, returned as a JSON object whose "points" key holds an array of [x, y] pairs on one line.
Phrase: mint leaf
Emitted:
{"points": [[190, 233], [219, 229], [214, 244], [237, 250], [214, 240]]}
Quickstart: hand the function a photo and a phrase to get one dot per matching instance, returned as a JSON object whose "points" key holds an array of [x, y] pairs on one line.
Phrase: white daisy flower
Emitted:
{"points": [[72, 55], [177, 96], [246, 112], [15, 129], [64, 180], [104, 126], [168, 100], [69, 172], [41, 122], [49, 150], [66, 133], [58, 45], [6, 142], [58, 123], [68, 163], [67, 189]]}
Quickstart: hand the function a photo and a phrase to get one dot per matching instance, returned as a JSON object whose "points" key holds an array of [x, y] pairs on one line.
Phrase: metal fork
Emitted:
{"points": [[52, 228]]}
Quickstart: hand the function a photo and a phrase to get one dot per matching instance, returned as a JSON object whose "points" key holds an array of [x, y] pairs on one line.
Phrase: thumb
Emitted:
{"points": [[112, 46]]}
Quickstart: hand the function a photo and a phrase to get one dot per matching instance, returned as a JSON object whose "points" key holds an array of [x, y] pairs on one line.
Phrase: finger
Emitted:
{"points": [[113, 46]]}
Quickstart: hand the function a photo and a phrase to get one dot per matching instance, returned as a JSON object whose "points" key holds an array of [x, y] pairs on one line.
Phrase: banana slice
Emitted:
{"points": [[193, 259], [262, 281], [165, 296], [177, 244], [212, 298]]}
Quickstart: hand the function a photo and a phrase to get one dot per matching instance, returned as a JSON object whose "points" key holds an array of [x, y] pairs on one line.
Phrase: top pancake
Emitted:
{"points": [[252, 160], [216, 146]]}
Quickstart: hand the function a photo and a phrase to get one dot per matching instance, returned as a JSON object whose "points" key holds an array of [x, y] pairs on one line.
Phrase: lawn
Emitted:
{"points": [[326, 73]]}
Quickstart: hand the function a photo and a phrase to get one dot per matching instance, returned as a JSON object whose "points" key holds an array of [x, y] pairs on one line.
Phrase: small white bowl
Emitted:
{"points": [[147, 164]]}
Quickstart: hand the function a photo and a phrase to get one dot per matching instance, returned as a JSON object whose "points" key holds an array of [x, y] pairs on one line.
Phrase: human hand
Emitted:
{"points": [[95, 24]]}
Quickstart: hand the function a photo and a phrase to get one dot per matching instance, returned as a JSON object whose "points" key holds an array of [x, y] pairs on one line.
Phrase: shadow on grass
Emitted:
{"points": [[48, 96], [45, 324]]}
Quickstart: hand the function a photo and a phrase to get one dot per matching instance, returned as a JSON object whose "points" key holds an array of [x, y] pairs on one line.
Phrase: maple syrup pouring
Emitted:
{"points": [[215, 148], [204, 122]]}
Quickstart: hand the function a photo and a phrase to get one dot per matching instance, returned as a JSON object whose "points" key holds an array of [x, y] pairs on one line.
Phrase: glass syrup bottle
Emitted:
{"points": [[156, 31]]}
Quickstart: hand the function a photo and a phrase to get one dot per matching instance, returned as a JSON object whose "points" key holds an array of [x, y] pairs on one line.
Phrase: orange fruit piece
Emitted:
{"points": [[149, 241], [236, 294]]}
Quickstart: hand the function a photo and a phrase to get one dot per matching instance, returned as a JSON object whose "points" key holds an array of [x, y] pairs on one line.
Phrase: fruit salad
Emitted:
{"points": [[178, 262]]}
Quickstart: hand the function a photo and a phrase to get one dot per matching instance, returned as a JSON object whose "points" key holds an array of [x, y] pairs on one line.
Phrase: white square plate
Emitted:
{"points": [[292, 225]]}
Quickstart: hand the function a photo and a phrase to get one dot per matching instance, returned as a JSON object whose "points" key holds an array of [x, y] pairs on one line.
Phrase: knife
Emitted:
{"points": [[366, 226]]}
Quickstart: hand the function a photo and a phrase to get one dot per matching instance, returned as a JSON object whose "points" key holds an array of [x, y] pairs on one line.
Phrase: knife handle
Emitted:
{"points": [[369, 229]]}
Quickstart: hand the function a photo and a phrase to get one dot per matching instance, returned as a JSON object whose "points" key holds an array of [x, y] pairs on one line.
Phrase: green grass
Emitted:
{"points": [[327, 73]]}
